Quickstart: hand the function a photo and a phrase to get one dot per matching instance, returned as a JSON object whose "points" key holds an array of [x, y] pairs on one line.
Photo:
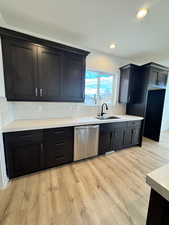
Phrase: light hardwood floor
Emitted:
{"points": [[107, 190]]}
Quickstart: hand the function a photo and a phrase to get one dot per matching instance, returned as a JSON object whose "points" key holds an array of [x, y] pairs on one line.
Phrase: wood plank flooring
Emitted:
{"points": [[107, 190]]}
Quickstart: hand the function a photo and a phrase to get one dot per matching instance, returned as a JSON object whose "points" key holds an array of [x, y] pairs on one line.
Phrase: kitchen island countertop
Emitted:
{"points": [[159, 181]]}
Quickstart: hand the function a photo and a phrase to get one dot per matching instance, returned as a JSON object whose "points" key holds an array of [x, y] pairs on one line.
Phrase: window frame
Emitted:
{"points": [[114, 87]]}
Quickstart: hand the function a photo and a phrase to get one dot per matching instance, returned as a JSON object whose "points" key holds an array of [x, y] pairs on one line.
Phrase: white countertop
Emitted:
{"points": [[159, 181], [21, 125]]}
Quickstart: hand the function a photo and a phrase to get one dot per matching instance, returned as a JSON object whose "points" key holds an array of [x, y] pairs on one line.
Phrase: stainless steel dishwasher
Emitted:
{"points": [[86, 141]]}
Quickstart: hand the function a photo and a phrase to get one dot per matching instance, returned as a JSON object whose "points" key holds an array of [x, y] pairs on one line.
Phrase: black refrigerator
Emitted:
{"points": [[154, 113]]}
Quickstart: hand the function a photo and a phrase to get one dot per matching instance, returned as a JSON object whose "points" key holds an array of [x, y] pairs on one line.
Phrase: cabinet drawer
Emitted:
{"points": [[109, 126], [58, 135], [136, 123], [24, 137], [54, 135], [54, 152], [120, 124], [58, 147]]}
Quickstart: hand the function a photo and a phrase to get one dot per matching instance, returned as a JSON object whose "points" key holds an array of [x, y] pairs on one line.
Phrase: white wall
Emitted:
{"points": [[165, 120]]}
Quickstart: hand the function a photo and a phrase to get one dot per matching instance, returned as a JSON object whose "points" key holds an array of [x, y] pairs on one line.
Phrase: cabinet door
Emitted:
{"points": [[128, 132], [105, 138], [158, 78], [49, 73], [73, 78], [133, 133], [23, 151], [162, 78], [136, 135], [153, 78], [124, 85], [58, 146], [19, 69], [117, 138]]}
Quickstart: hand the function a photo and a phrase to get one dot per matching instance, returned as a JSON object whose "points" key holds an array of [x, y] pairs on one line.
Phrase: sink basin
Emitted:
{"points": [[107, 118]]}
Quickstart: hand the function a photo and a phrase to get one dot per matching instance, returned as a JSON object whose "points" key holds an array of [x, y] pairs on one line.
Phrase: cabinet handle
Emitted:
{"points": [[129, 98], [123, 136], [36, 92], [111, 134], [42, 162], [41, 92], [157, 81], [132, 133], [41, 148]]}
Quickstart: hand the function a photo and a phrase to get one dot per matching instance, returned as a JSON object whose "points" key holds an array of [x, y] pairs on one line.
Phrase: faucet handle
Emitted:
{"points": [[103, 113]]}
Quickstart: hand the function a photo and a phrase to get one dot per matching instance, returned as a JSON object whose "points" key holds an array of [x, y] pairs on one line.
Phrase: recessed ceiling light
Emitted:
{"points": [[142, 13], [113, 46]]}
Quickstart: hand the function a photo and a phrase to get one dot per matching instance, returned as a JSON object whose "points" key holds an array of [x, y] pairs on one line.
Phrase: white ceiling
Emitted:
{"points": [[95, 24]]}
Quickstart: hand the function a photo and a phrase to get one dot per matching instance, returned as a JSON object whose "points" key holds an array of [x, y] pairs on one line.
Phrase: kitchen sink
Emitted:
{"points": [[107, 118]]}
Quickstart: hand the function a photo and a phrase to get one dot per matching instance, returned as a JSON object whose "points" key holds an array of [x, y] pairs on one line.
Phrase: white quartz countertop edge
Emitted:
{"points": [[23, 125], [159, 181]]}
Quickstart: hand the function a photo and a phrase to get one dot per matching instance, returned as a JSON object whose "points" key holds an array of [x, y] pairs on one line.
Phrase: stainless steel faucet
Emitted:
{"points": [[102, 109]]}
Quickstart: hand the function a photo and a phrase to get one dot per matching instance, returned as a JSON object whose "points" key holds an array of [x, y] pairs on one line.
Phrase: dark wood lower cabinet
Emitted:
{"points": [[23, 151], [119, 135], [105, 138], [158, 210], [58, 146], [30, 151]]}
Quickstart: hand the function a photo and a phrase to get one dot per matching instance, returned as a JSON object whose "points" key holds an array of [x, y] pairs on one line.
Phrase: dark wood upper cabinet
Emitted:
{"points": [[19, 59], [135, 81], [49, 73], [158, 78], [40, 70], [124, 85], [129, 85], [73, 79], [153, 76]]}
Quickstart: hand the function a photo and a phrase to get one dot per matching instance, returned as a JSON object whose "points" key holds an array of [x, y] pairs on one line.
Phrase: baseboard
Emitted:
{"points": [[5, 183]]}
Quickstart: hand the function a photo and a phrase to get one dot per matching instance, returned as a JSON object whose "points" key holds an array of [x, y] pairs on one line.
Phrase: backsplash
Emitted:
{"points": [[6, 112], [42, 110]]}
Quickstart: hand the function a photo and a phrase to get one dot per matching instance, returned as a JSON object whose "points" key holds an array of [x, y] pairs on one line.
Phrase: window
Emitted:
{"points": [[99, 87]]}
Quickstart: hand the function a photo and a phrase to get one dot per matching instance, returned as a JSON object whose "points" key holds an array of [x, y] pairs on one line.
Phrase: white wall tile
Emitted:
{"points": [[38, 110]]}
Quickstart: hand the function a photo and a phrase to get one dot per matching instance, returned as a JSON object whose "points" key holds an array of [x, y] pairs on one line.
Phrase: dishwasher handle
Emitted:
{"points": [[87, 127]]}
